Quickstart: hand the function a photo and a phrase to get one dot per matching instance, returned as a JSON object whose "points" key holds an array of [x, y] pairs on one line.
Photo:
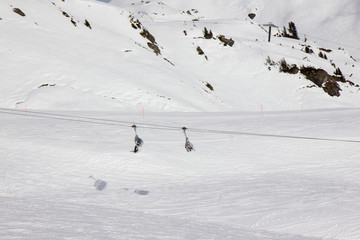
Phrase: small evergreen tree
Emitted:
{"points": [[284, 33], [293, 31], [207, 34], [338, 72]]}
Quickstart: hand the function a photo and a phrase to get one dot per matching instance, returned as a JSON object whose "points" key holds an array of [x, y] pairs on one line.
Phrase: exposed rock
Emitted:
{"points": [[135, 23], [154, 47], [87, 24], [226, 41], [322, 79], [65, 14], [47, 85], [200, 51], [251, 15], [18, 11], [332, 88], [73, 22], [308, 50], [325, 50], [208, 85], [146, 34]]}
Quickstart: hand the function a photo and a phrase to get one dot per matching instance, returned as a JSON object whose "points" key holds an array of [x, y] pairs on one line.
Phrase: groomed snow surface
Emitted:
{"points": [[233, 186]]}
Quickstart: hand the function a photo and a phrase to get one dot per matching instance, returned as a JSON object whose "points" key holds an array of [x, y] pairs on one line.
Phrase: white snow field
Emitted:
{"points": [[233, 186], [276, 157]]}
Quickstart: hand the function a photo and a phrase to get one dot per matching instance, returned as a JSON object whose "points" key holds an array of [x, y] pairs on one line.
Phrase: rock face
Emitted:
{"points": [[152, 44], [322, 79]]}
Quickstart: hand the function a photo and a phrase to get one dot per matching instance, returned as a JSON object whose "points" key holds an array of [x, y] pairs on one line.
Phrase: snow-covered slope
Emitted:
{"points": [[255, 174], [233, 186], [49, 63]]}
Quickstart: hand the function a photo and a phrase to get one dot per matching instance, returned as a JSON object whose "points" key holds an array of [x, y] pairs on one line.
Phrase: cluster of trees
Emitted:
{"points": [[291, 32]]}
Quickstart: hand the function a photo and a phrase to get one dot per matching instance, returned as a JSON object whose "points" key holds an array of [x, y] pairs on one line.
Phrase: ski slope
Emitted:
{"points": [[275, 156], [233, 186]]}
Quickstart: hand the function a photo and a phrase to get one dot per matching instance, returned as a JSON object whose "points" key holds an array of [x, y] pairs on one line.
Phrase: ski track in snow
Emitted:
{"points": [[231, 187]]}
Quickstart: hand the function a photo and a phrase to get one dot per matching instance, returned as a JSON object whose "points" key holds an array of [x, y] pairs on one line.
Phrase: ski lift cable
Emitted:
{"points": [[83, 120], [98, 121], [142, 125], [324, 40], [162, 127], [60, 118], [271, 135]]}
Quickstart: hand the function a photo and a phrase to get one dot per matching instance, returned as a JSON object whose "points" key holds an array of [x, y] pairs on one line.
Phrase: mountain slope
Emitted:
{"points": [[109, 64]]}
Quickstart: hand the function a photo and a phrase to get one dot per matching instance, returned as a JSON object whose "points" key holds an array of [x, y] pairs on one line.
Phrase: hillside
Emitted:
{"points": [[53, 60], [274, 126]]}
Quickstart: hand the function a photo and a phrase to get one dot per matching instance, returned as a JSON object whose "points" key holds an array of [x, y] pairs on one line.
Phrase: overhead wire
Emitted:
{"points": [[325, 40], [272, 135], [56, 118], [85, 119], [118, 123]]}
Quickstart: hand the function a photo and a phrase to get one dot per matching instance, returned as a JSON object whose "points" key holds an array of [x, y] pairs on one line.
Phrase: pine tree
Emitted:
{"points": [[293, 31]]}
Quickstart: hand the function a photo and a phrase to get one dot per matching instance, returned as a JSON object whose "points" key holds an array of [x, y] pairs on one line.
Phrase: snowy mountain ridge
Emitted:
{"points": [[89, 55]]}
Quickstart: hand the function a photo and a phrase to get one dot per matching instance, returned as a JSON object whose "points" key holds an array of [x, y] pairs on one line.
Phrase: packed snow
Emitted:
{"points": [[273, 156], [233, 186]]}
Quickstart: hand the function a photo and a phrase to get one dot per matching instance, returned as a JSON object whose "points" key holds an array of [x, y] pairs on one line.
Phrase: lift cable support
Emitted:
{"points": [[270, 25]]}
